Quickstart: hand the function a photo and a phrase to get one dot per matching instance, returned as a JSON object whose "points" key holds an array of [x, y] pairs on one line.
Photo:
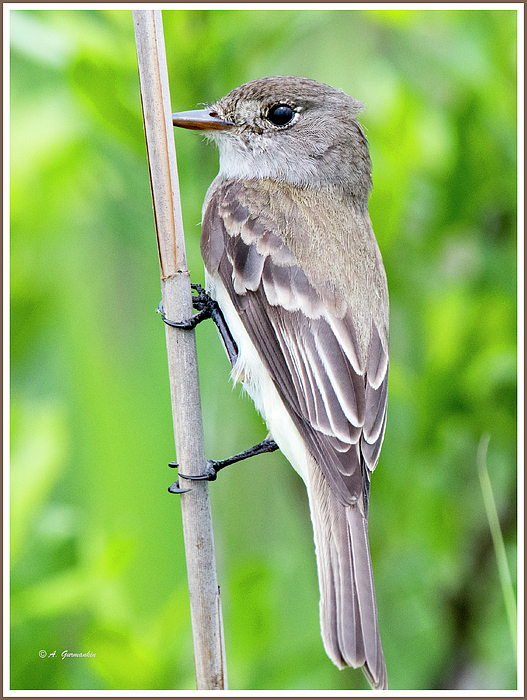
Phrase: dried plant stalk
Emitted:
{"points": [[205, 603]]}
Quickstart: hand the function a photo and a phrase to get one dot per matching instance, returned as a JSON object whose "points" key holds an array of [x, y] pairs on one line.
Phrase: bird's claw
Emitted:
{"points": [[203, 303], [210, 473], [175, 488]]}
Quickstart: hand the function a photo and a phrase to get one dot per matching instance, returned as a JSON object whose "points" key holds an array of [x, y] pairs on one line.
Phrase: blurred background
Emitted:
{"points": [[96, 540]]}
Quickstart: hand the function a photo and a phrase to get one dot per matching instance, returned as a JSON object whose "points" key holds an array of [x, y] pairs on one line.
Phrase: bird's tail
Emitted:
{"points": [[348, 612]]}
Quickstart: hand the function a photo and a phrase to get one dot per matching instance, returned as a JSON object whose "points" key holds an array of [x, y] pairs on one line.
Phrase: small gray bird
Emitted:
{"points": [[291, 258]]}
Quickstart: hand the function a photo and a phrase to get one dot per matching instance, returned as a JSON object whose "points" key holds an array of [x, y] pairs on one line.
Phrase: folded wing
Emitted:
{"points": [[337, 404]]}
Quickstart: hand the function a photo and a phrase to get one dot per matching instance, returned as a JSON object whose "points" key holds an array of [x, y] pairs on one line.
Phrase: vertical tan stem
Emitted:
{"points": [[205, 604]]}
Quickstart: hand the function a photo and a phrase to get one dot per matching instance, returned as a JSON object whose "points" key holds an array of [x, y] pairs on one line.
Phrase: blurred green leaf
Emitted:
{"points": [[97, 550]]}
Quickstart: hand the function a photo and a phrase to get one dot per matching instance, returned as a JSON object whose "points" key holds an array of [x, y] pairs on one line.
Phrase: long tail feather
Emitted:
{"points": [[348, 611]]}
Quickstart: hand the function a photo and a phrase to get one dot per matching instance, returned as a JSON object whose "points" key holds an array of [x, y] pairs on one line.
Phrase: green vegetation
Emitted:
{"points": [[97, 553]]}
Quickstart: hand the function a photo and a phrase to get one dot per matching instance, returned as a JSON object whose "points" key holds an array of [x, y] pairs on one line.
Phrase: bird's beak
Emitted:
{"points": [[201, 120]]}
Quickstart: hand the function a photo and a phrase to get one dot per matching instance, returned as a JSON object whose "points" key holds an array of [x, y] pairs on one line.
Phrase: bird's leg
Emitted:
{"points": [[206, 307], [214, 466]]}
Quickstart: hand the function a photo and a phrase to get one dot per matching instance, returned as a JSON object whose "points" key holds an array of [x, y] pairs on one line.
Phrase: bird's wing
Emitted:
{"points": [[337, 403]]}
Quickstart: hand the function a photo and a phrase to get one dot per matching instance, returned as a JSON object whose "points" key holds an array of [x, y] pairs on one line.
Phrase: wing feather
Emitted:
{"points": [[348, 385], [337, 401]]}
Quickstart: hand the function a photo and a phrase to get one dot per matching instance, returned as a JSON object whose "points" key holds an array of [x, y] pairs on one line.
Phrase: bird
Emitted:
{"points": [[292, 261]]}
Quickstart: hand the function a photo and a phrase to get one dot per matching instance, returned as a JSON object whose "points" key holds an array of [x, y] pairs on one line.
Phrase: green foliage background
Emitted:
{"points": [[96, 543]]}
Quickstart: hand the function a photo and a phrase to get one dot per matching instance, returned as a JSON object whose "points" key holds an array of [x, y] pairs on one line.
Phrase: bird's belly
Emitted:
{"points": [[252, 373]]}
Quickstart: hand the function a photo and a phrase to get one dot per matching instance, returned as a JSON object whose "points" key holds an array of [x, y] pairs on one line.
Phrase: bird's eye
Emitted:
{"points": [[280, 115]]}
